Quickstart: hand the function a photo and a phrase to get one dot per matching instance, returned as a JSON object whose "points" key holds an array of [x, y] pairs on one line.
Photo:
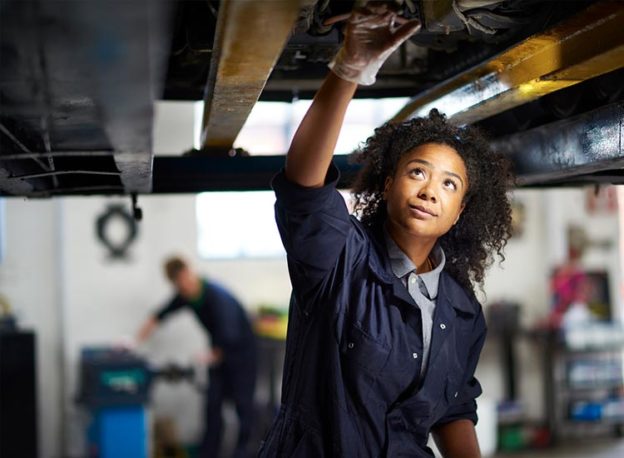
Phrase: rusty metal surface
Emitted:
{"points": [[249, 39], [587, 45]]}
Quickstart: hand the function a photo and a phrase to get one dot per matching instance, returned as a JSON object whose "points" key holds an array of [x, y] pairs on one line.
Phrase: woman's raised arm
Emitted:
{"points": [[313, 145], [372, 33]]}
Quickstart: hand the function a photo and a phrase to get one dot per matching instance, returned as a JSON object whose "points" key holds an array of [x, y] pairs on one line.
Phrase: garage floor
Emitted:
{"points": [[607, 448]]}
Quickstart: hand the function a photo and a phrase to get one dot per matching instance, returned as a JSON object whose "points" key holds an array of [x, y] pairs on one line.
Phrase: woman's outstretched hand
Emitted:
{"points": [[372, 33]]}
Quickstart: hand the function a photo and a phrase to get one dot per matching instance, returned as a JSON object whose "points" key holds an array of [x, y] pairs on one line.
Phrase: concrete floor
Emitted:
{"points": [[594, 448]]}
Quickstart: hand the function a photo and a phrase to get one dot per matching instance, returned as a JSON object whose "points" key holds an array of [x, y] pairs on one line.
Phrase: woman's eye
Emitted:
{"points": [[450, 184], [417, 172]]}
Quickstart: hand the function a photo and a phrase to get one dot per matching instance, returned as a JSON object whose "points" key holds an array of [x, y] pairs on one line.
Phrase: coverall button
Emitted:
{"points": [[442, 326], [414, 355], [350, 345]]}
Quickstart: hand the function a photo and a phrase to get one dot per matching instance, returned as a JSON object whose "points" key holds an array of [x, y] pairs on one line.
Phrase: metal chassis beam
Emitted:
{"points": [[192, 174], [587, 45], [570, 150], [586, 149], [249, 39]]}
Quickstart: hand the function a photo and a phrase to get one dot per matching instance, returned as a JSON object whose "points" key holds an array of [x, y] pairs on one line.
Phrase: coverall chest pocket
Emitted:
{"points": [[360, 351]]}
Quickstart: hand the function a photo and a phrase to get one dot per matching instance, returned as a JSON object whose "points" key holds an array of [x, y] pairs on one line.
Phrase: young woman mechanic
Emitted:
{"points": [[385, 331]]}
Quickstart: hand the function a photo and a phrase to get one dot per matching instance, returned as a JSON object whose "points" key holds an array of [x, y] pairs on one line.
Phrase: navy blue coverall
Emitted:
{"points": [[234, 378], [350, 386]]}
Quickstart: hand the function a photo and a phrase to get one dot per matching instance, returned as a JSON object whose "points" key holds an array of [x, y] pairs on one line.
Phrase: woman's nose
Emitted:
{"points": [[427, 193]]}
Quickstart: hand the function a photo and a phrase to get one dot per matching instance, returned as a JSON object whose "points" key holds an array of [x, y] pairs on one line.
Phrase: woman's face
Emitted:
{"points": [[425, 195]]}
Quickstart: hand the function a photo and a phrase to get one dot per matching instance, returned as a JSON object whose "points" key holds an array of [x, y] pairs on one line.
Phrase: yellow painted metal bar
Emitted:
{"points": [[249, 39], [587, 45]]}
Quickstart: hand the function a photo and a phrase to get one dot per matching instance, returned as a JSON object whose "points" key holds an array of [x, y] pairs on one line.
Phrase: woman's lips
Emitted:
{"points": [[421, 212]]}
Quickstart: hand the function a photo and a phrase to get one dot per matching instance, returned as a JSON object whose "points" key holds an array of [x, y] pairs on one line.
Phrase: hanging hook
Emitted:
{"points": [[137, 213]]}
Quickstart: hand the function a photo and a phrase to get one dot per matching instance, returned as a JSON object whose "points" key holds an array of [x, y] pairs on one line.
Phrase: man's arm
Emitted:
{"points": [[150, 325], [457, 439], [147, 330]]}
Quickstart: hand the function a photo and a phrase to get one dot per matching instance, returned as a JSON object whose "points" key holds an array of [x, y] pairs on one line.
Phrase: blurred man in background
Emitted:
{"points": [[231, 359]]}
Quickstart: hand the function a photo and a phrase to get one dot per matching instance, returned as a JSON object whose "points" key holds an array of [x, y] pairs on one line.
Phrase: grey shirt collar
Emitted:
{"points": [[402, 265]]}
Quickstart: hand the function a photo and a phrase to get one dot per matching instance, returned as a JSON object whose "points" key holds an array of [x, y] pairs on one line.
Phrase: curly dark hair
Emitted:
{"points": [[485, 224]]}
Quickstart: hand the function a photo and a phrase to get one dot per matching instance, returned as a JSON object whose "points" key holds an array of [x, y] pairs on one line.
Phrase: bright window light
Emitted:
{"points": [[233, 225], [271, 125], [237, 225], [197, 126]]}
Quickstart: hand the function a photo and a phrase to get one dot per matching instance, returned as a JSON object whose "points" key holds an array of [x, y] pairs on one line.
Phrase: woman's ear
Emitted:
{"points": [[387, 185], [461, 210]]}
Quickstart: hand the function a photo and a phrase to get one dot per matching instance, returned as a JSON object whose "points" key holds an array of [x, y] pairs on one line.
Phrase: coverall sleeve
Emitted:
{"points": [[315, 227], [465, 406]]}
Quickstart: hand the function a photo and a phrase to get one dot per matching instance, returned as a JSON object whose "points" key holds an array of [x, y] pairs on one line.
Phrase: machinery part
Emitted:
{"points": [[115, 377], [591, 143], [191, 48], [137, 213], [174, 373], [201, 174], [448, 23], [563, 104], [249, 38], [192, 174], [312, 18], [587, 45], [79, 76], [566, 103]]}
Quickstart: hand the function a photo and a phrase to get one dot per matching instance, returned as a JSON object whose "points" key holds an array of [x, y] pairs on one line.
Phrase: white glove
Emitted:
{"points": [[372, 33]]}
